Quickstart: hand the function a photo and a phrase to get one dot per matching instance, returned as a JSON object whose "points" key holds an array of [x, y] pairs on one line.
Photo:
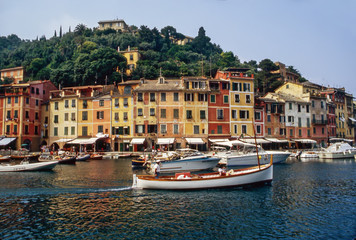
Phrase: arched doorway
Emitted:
{"points": [[26, 144]]}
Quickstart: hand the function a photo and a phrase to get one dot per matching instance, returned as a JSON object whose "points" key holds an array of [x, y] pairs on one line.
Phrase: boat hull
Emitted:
{"points": [[194, 164], [83, 158], [251, 159], [39, 166], [242, 177], [336, 155]]}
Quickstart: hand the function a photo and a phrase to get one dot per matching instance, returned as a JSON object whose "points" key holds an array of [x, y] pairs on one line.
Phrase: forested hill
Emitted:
{"points": [[89, 56]]}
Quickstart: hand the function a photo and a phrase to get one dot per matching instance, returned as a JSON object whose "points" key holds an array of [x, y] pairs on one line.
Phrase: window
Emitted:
{"points": [[290, 119], [101, 103], [202, 114], [66, 131], [100, 129], [152, 97], [72, 130], [100, 115], [37, 91], [27, 114], [189, 97], [16, 99], [55, 118], [212, 98], [116, 116], [247, 87], [163, 113], [244, 114], [84, 131], [202, 97], [237, 98], [15, 129], [26, 129], [8, 115], [55, 131], [55, 105], [126, 102], [16, 114], [299, 122], [235, 128], [299, 108], [85, 103], [269, 131], [257, 115], [176, 97], [313, 103], [139, 112], [244, 129], [139, 97], [176, 113], [290, 106], [37, 102], [9, 100], [125, 116], [152, 111], [307, 108], [189, 114], [73, 117], [163, 97], [46, 120], [322, 104], [140, 128], [175, 129], [27, 100], [73, 103], [236, 86], [85, 115], [163, 128], [300, 132], [219, 129], [66, 103], [66, 116], [268, 118], [258, 129], [248, 99], [234, 114], [290, 132], [226, 99], [220, 114], [196, 129]]}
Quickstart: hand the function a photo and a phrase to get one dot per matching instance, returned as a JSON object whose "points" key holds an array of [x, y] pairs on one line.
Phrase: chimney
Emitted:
{"points": [[128, 49]]}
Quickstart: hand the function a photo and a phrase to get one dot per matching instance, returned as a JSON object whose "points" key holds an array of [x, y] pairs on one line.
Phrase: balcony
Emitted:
{"points": [[319, 122]]}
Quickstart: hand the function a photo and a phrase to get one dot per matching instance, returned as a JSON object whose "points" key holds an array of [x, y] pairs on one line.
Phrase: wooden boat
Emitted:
{"points": [[27, 166], [65, 160], [18, 157], [83, 157], [140, 161], [96, 156], [240, 177], [5, 158]]}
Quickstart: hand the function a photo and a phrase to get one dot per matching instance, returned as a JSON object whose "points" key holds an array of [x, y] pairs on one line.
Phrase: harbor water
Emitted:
{"points": [[94, 200]]}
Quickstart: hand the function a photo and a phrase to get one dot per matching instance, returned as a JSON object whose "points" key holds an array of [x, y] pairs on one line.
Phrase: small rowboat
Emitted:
{"points": [[26, 166], [240, 177], [96, 157]]}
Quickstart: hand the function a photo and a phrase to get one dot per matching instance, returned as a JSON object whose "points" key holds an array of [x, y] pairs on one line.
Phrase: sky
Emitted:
{"points": [[316, 37]]}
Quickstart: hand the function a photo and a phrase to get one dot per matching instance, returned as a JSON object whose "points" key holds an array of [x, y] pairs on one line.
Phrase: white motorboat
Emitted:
{"points": [[308, 155], [239, 177], [186, 159], [246, 155], [27, 166], [338, 150]]}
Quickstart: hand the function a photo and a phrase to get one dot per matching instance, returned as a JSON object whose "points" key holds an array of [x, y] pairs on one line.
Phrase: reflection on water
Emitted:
{"points": [[93, 200]]}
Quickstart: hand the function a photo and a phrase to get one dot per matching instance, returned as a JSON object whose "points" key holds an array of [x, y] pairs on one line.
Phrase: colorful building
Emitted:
{"points": [[16, 73]]}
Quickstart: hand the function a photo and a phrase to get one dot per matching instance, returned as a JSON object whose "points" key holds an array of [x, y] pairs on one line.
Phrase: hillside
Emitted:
{"points": [[89, 56]]}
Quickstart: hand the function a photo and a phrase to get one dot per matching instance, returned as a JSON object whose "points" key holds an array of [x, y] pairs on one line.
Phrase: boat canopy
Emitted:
{"points": [[6, 141], [137, 141], [63, 140], [252, 140], [195, 140], [164, 141], [214, 140]]}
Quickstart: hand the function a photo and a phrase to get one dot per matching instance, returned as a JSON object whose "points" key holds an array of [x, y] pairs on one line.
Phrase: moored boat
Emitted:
{"points": [[82, 157], [96, 156], [27, 166], [5, 158], [186, 159], [239, 177], [339, 150]]}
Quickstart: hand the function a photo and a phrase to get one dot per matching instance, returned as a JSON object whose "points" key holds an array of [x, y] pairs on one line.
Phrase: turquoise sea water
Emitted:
{"points": [[94, 200]]}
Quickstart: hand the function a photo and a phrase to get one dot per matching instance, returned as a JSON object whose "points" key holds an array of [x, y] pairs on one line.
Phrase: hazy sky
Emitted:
{"points": [[317, 37]]}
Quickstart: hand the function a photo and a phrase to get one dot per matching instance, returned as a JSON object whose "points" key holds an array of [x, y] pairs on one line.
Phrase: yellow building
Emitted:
{"points": [[123, 115], [241, 104], [117, 24], [132, 56]]}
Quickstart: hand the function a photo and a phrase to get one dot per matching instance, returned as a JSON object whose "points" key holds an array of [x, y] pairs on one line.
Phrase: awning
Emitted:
{"points": [[276, 140], [252, 140], [137, 141], [214, 140], [83, 141], [352, 119], [195, 141], [6, 141], [340, 140], [63, 140], [163, 141], [305, 140]]}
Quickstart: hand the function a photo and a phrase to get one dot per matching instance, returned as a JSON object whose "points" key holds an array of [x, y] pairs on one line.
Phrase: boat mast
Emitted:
{"points": [[254, 132]]}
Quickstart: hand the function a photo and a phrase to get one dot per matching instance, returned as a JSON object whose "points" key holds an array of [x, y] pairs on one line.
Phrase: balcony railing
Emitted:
{"points": [[319, 122]]}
